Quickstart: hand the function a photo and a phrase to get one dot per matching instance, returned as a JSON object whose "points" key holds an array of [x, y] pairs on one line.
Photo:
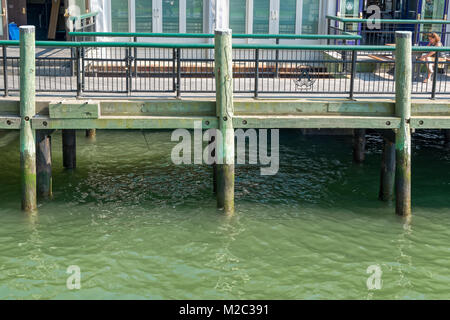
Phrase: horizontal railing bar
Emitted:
{"points": [[347, 36], [84, 16], [202, 46], [385, 21]]}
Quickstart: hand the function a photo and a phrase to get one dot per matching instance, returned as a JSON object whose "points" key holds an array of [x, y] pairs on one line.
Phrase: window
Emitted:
{"points": [[119, 15], [238, 12], [432, 10], [310, 17], [194, 16], [144, 10], [287, 16], [261, 9], [350, 8], [171, 16]]}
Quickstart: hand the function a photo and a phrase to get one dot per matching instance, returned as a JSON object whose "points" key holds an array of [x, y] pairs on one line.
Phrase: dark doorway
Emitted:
{"points": [[394, 9], [17, 12], [38, 14]]}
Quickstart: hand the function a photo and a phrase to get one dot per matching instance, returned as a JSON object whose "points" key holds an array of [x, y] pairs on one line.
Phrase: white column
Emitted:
{"points": [[222, 15], [132, 15], [182, 16]]}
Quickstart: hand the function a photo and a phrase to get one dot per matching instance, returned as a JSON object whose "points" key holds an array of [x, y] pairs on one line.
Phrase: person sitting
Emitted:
{"points": [[433, 41]]}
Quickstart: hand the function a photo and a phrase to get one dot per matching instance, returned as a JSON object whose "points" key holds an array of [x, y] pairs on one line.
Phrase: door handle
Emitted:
{"points": [[24, 11], [3, 12]]}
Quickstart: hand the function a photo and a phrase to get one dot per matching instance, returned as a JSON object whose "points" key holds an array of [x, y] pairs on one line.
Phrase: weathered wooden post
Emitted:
{"points": [[387, 175], [44, 163], [91, 133], [447, 137], [27, 112], [359, 145], [225, 112], [69, 139], [403, 82]]}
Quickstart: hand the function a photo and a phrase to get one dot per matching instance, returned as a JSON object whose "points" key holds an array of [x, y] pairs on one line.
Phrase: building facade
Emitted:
{"points": [[198, 16]]}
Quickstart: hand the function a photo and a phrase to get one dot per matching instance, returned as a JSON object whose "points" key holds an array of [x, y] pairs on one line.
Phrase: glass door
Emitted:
{"points": [[349, 8], [3, 22], [432, 10]]}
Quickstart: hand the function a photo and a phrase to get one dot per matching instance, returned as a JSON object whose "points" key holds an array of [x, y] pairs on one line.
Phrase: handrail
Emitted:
{"points": [[384, 21], [201, 46], [14, 43], [210, 35], [84, 16]]}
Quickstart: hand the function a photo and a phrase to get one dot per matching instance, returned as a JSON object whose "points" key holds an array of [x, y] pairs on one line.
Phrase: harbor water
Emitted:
{"points": [[140, 227]]}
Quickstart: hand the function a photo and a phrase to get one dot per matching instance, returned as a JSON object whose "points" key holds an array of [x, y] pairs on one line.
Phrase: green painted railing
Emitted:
{"points": [[387, 21], [61, 44], [200, 46], [210, 35], [83, 16]]}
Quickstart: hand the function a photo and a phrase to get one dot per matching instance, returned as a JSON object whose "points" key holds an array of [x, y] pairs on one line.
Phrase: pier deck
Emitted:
{"points": [[249, 113], [37, 117]]}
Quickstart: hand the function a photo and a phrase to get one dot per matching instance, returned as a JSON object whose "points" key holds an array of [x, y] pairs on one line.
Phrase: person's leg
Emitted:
{"points": [[430, 68]]}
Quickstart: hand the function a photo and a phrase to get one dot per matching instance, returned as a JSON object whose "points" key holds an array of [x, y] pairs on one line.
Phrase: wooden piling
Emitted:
{"points": [[44, 163], [225, 113], [447, 137], [359, 145], [91, 133], [27, 112], [403, 82], [387, 175], [214, 166], [69, 139]]}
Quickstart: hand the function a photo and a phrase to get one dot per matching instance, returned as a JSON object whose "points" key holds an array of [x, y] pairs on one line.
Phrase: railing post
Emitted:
{"points": [[256, 73], [224, 111], [135, 57], [128, 62], [79, 72], [328, 30], [277, 57], [27, 112], [5, 70], [403, 82], [178, 73], [174, 73], [353, 74], [435, 75]]}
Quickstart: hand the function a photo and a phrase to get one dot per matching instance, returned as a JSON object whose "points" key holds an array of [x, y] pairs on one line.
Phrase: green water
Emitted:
{"points": [[141, 227]]}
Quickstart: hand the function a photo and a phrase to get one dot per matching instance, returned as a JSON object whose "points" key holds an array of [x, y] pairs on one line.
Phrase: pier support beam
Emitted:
{"points": [[403, 78], [387, 176], [69, 139], [225, 113], [27, 112], [359, 145], [44, 163]]}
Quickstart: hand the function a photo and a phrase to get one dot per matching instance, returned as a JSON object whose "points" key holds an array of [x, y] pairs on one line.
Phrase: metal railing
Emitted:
{"points": [[85, 23], [141, 69], [384, 33]]}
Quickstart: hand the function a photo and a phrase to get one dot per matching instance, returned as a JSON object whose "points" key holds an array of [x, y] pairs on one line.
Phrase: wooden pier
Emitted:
{"points": [[37, 118]]}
